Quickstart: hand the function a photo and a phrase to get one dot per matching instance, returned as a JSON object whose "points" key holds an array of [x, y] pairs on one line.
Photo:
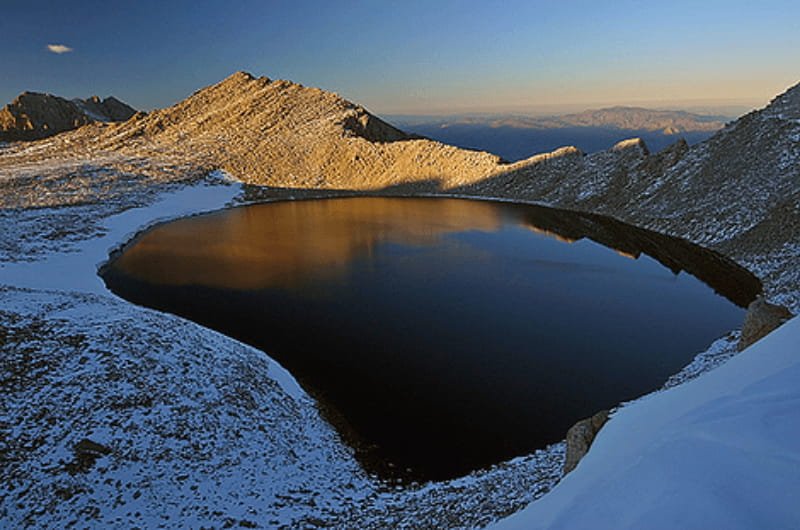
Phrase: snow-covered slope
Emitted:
{"points": [[721, 451]]}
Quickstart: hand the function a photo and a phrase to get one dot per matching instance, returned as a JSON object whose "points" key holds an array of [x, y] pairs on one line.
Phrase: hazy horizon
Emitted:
{"points": [[413, 58], [728, 111]]}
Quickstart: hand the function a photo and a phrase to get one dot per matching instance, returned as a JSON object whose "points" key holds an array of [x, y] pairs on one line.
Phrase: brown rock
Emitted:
{"points": [[762, 317], [33, 116], [286, 136], [580, 437]]}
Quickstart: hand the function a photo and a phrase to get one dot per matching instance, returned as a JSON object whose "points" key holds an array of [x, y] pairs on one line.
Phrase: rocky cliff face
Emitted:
{"points": [[33, 116], [760, 320], [109, 109], [580, 437]]}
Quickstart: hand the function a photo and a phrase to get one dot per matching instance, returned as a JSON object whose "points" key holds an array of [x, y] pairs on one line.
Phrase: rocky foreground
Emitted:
{"points": [[120, 416]]}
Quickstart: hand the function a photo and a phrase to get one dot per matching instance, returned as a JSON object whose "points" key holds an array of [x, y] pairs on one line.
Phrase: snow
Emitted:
{"points": [[86, 110], [720, 451], [199, 430], [75, 271]]}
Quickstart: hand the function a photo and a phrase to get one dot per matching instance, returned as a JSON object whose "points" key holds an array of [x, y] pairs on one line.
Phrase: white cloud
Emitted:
{"points": [[59, 48]]}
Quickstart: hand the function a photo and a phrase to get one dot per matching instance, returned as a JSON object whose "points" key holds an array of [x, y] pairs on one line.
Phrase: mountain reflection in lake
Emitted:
{"points": [[443, 335]]}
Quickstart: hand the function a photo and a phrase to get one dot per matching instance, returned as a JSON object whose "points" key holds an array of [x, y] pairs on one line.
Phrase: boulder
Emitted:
{"points": [[762, 317], [580, 437]]}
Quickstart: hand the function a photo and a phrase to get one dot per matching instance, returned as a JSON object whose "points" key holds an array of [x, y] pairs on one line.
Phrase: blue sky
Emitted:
{"points": [[411, 56]]}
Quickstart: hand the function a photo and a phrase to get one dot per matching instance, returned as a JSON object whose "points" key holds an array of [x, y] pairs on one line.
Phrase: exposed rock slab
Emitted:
{"points": [[580, 437], [762, 317]]}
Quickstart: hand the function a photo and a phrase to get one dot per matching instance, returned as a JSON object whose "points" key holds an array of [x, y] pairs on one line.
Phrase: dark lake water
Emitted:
{"points": [[443, 335]]}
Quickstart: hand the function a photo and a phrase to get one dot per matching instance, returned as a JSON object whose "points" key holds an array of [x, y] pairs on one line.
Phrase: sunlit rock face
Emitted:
{"points": [[443, 335]]}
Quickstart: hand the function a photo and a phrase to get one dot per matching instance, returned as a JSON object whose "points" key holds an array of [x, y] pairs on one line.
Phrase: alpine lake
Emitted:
{"points": [[440, 336]]}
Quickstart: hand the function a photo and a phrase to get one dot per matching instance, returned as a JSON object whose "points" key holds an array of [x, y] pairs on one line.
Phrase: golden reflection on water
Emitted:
{"points": [[549, 233], [288, 243]]}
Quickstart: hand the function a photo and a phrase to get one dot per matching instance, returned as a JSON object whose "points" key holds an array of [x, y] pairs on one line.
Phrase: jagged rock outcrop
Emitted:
{"points": [[762, 317], [33, 116], [580, 437]]}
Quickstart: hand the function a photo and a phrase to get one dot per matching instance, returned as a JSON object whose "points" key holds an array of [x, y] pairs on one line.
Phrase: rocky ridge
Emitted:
{"points": [[736, 193], [33, 116], [280, 133]]}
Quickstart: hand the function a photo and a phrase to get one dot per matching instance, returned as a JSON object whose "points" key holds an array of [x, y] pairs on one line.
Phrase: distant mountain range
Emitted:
{"points": [[515, 137], [33, 116], [626, 118]]}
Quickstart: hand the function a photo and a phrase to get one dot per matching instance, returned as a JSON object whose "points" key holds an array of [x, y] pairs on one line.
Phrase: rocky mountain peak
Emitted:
{"points": [[32, 115], [240, 75]]}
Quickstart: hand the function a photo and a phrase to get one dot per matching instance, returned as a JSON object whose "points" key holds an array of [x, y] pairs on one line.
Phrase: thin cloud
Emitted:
{"points": [[59, 48]]}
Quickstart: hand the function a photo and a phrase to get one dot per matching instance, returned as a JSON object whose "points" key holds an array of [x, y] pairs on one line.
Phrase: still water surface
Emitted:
{"points": [[442, 335]]}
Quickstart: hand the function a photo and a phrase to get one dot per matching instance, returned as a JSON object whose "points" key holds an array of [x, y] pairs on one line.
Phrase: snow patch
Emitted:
{"points": [[90, 113]]}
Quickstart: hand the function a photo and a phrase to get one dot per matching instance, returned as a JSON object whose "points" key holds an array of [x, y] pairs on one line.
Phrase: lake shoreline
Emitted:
{"points": [[520, 481]]}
